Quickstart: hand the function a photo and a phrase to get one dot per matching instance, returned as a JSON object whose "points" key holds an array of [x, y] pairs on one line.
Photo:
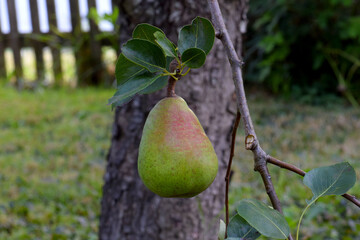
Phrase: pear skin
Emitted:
{"points": [[176, 158]]}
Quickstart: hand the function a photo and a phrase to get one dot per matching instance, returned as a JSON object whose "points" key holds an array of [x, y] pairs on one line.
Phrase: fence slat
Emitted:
{"points": [[14, 42], [95, 47], [55, 51], [76, 31], [75, 16], [38, 46]]}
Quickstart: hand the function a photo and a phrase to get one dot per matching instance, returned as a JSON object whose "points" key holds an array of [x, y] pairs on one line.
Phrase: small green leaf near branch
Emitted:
{"points": [[157, 85], [145, 54], [332, 180], [126, 91], [126, 69], [168, 47], [238, 228], [269, 222], [193, 57], [146, 31], [200, 34]]}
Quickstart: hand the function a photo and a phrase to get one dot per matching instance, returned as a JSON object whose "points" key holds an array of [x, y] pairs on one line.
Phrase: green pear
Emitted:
{"points": [[176, 158]]}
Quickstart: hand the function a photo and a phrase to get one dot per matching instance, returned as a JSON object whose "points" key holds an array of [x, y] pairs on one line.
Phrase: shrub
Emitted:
{"points": [[306, 47]]}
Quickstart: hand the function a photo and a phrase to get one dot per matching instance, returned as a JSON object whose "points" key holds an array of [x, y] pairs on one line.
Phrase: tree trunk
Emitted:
{"points": [[129, 210]]}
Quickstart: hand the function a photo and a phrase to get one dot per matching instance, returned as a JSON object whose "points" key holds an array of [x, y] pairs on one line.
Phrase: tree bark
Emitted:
{"points": [[128, 209]]}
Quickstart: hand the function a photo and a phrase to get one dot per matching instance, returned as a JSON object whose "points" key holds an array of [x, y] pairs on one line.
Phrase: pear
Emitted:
{"points": [[176, 158]]}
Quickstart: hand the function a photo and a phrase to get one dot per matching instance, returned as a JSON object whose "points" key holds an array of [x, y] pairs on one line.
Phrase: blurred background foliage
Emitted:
{"points": [[309, 50]]}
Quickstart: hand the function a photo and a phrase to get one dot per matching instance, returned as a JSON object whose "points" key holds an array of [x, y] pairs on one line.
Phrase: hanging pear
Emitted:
{"points": [[176, 158]]}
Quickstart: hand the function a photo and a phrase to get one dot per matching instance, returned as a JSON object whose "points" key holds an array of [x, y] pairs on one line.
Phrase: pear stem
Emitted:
{"points": [[172, 79], [171, 87]]}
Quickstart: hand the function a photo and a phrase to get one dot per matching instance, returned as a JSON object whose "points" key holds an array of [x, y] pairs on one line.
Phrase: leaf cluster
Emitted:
{"points": [[144, 63], [254, 218]]}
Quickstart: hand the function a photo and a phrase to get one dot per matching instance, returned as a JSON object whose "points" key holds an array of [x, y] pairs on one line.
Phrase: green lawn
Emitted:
{"points": [[53, 145], [52, 156]]}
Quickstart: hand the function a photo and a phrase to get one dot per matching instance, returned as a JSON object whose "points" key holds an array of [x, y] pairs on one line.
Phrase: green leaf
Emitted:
{"points": [[125, 70], [122, 102], [264, 219], [165, 44], [200, 34], [145, 54], [193, 57], [130, 88], [146, 31], [239, 228], [168, 61], [157, 85], [222, 229], [332, 180]]}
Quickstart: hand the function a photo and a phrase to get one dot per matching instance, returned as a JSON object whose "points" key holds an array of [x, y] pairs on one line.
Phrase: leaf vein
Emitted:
{"points": [[145, 34], [192, 57], [140, 60], [269, 220], [327, 189], [133, 75]]}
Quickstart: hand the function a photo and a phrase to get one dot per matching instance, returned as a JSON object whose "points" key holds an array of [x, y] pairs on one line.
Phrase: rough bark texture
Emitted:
{"points": [[129, 210]]}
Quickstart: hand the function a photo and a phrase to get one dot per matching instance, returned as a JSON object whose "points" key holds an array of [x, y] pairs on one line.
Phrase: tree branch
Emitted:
{"points": [[227, 177], [299, 171], [251, 141]]}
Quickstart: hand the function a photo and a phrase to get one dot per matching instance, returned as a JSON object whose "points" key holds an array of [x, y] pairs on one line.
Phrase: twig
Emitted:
{"points": [[251, 141], [285, 165], [297, 170], [352, 199], [227, 177]]}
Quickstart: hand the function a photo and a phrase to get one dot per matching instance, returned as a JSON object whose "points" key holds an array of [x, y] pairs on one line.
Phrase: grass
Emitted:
{"points": [[52, 157], [53, 145]]}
